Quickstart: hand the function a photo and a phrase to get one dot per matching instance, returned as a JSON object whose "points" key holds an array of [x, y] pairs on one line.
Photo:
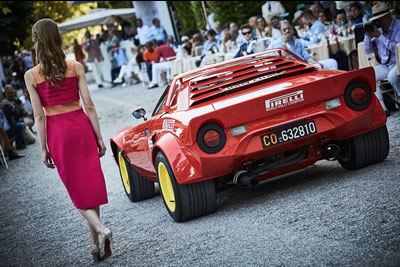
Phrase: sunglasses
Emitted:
{"points": [[244, 33]]}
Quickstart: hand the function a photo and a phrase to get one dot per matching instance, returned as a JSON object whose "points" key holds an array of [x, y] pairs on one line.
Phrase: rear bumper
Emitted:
{"points": [[337, 124]]}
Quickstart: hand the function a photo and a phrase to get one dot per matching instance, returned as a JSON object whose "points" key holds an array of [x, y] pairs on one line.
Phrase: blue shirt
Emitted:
{"points": [[3, 121], [120, 57], [298, 48], [157, 33], [28, 62], [207, 46], [311, 37], [386, 42]]}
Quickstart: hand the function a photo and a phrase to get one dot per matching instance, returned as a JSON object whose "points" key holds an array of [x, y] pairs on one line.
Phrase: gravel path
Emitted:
{"points": [[321, 216]]}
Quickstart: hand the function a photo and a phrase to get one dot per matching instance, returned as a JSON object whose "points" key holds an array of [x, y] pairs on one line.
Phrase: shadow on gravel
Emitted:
{"points": [[302, 182]]}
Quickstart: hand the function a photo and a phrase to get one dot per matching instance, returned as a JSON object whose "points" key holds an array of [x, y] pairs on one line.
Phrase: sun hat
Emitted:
{"points": [[184, 38], [379, 10]]}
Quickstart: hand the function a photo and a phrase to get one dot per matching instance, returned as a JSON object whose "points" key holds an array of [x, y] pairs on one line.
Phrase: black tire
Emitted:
{"points": [[187, 201], [136, 187], [366, 149]]}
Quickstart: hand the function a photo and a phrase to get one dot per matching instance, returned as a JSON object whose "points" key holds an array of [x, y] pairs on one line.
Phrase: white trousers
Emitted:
{"points": [[389, 72], [157, 68], [329, 64], [126, 72], [97, 71]]}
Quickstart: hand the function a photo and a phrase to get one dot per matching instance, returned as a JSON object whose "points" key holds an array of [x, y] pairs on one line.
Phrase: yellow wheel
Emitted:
{"points": [[136, 187], [166, 187], [124, 173], [184, 201]]}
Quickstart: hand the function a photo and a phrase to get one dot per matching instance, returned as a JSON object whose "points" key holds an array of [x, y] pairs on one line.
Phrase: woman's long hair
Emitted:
{"points": [[49, 53], [78, 50]]}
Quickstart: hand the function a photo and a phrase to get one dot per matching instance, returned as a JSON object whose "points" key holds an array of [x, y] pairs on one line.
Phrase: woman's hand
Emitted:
{"points": [[102, 147], [47, 160]]}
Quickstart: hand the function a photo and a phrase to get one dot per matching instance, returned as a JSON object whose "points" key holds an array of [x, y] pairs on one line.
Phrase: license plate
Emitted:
{"points": [[288, 134]]}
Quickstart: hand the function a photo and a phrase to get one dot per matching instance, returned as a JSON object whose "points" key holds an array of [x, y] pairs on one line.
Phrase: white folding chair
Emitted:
{"points": [[3, 157]]}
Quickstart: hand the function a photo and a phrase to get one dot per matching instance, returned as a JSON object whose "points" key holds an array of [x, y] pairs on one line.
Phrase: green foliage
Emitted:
{"points": [[15, 20], [198, 14], [226, 12], [185, 15]]}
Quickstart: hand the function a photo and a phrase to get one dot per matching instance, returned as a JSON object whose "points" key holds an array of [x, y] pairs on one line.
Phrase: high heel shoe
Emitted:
{"points": [[95, 252], [105, 243]]}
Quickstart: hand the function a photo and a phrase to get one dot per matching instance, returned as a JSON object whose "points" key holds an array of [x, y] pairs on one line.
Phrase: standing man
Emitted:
{"points": [[141, 32], [95, 57], [157, 32], [248, 46], [381, 39]]}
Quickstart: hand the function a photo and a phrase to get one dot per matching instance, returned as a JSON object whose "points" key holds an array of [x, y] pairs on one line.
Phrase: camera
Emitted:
{"points": [[370, 26], [286, 30]]}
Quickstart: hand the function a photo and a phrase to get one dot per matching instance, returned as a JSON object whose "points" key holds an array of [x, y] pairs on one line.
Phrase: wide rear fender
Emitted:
{"points": [[117, 141], [184, 161]]}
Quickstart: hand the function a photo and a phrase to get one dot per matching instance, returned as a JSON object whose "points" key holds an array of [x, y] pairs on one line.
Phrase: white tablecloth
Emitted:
{"points": [[320, 51]]}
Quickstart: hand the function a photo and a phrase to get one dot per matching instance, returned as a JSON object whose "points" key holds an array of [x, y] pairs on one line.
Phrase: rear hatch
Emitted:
{"points": [[262, 88]]}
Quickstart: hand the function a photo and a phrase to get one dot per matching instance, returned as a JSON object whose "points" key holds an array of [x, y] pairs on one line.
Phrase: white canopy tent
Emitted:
{"points": [[95, 17]]}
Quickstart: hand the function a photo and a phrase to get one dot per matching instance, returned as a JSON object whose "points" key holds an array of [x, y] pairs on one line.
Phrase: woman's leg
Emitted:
{"points": [[93, 218], [93, 233]]}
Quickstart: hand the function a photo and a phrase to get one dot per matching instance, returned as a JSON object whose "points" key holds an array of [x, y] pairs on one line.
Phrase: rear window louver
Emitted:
{"points": [[257, 72]]}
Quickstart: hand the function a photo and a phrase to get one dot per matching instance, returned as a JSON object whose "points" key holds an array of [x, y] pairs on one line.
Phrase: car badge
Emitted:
{"points": [[284, 100]]}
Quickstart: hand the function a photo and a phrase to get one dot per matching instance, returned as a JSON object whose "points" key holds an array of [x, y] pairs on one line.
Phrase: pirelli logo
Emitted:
{"points": [[284, 100]]}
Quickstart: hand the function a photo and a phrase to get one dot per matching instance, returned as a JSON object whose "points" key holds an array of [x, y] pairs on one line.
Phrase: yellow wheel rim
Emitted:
{"points": [[166, 187], [124, 173]]}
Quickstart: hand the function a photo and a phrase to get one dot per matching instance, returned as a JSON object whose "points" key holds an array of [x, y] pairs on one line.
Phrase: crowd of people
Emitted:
{"points": [[153, 49]]}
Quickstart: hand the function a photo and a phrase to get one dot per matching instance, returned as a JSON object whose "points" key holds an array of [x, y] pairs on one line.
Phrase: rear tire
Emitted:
{"points": [[184, 201], [366, 149], [136, 187]]}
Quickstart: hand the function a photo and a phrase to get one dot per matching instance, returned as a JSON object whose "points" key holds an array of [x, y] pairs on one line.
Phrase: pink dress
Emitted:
{"points": [[72, 142]]}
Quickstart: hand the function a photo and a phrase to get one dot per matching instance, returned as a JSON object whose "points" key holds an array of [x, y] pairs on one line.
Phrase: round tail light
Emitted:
{"points": [[357, 96], [211, 138]]}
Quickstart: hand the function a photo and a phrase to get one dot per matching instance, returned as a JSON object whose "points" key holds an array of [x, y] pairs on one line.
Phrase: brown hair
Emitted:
{"points": [[49, 53]]}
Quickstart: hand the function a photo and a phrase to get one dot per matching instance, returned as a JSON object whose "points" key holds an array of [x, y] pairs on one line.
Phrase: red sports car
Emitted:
{"points": [[247, 120]]}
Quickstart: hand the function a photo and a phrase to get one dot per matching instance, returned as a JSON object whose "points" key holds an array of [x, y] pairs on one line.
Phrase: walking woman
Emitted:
{"points": [[70, 140]]}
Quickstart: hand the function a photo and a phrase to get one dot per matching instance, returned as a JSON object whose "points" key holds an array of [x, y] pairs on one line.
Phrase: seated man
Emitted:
{"points": [[211, 44], [119, 55], [289, 41], [129, 70], [14, 114], [316, 28], [6, 144], [248, 46], [382, 39], [168, 54]]}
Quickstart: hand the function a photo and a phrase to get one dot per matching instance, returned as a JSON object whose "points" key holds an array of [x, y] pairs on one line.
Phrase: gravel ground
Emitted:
{"points": [[322, 216]]}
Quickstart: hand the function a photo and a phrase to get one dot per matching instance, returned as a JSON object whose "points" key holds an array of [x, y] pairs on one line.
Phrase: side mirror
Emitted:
{"points": [[139, 113]]}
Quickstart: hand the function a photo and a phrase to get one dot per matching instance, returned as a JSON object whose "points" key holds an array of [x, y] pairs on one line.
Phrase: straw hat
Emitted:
{"points": [[379, 10]]}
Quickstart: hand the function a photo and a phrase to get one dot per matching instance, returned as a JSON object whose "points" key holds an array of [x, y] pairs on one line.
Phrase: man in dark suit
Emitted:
{"points": [[247, 47]]}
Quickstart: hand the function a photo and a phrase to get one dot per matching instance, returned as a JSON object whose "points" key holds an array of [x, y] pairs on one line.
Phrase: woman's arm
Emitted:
{"points": [[90, 108], [39, 118]]}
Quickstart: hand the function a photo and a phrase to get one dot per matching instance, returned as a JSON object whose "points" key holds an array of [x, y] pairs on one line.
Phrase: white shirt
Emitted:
{"points": [[142, 34]]}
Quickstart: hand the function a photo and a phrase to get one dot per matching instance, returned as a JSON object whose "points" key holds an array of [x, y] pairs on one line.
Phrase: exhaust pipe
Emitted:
{"points": [[331, 151], [244, 179]]}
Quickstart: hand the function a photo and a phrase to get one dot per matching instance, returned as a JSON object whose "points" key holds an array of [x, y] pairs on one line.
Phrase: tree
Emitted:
{"points": [[185, 14], [15, 20]]}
